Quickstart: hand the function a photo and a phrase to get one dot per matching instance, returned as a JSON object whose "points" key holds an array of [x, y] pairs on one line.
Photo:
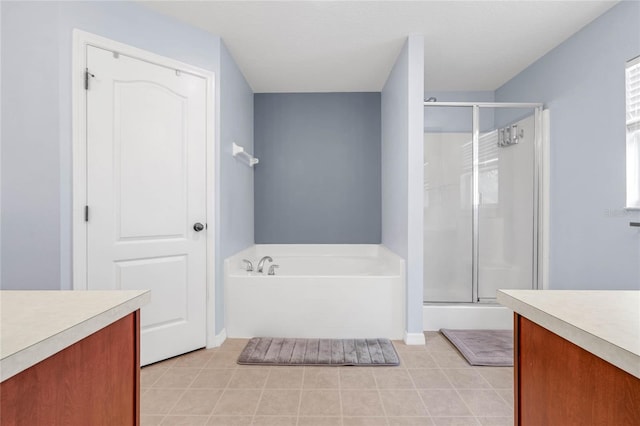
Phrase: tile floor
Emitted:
{"points": [[433, 385]]}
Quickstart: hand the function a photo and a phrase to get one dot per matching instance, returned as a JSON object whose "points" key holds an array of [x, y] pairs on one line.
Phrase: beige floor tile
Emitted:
{"points": [[439, 344], [177, 378], [279, 402], [321, 378], [449, 359], [195, 359], [150, 420], [197, 402], [234, 345], [455, 421], [167, 363], [429, 378], [498, 377], [285, 378], [223, 359], [402, 403], [410, 421], [237, 402], [364, 421], [230, 420], [486, 403], [444, 402], [274, 421], [420, 359], [212, 378], [357, 378], [148, 376], [496, 421], [396, 378], [253, 378], [185, 420], [466, 378], [320, 403], [507, 395], [319, 421], [159, 401], [400, 346], [361, 403]]}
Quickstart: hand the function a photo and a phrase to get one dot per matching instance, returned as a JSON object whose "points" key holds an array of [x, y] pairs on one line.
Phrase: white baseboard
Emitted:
{"points": [[219, 339], [414, 338]]}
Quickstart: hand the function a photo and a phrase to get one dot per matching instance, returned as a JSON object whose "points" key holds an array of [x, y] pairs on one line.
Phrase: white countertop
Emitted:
{"points": [[37, 324], [603, 322]]}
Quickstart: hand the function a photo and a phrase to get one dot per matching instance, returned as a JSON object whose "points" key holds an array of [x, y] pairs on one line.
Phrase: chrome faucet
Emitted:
{"points": [[272, 269], [249, 265], [261, 263]]}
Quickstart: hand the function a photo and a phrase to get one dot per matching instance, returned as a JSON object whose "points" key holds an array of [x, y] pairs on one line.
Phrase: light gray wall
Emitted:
{"points": [[30, 147], [454, 119], [582, 83], [318, 180], [235, 191], [402, 170]]}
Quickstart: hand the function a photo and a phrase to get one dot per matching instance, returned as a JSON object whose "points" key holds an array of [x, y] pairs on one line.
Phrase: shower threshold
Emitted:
{"points": [[461, 316]]}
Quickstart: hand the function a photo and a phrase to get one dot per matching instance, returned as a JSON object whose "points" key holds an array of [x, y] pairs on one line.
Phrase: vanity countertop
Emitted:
{"points": [[603, 322], [37, 324]]}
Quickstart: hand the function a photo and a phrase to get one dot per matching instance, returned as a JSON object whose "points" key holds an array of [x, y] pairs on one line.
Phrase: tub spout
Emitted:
{"points": [[261, 263], [272, 269], [249, 265]]}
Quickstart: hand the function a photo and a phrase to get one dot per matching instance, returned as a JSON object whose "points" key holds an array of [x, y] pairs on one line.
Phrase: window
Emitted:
{"points": [[633, 133]]}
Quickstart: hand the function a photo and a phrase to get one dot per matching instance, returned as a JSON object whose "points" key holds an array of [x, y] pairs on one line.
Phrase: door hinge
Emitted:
{"points": [[87, 74], [86, 213]]}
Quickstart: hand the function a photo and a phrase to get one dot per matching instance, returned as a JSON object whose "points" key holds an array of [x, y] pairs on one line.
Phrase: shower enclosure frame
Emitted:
{"points": [[537, 185]]}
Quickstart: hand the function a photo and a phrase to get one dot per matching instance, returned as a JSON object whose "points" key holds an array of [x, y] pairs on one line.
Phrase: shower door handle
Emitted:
{"points": [[636, 224]]}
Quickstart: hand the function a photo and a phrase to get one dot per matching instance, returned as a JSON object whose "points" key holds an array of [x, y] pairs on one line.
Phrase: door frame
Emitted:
{"points": [[81, 40]]}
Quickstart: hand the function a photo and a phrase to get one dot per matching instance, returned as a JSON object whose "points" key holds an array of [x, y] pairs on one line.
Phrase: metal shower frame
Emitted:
{"points": [[537, 184]]}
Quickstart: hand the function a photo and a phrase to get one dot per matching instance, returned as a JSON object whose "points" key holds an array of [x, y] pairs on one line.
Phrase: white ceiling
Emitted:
{"points": [[350, 46]]}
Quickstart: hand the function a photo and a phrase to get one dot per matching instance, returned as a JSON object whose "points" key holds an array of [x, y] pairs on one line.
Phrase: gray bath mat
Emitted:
{"points": [[483, 347], [333, 352]]}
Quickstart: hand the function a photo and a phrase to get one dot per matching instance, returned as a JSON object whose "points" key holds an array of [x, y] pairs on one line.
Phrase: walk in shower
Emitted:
{"points": [[481, 208]]}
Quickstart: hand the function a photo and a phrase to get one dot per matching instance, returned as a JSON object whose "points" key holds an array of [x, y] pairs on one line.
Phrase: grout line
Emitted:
{"points": [[384, 410], [340, 399], [264, 385], [301, 395]]}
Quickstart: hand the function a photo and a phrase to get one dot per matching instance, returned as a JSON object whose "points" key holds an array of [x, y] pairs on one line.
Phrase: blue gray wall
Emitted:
{"points": [[235, 189], [582, 83], [318, 180], [402, 171]]}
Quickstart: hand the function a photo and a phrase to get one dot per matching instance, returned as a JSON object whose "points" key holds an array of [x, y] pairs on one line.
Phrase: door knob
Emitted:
{"points": [[198, 227]]}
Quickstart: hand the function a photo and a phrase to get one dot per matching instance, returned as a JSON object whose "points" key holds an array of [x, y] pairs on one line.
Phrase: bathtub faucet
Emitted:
{"points": [[272, 269], [249, 265], [261, 263]]}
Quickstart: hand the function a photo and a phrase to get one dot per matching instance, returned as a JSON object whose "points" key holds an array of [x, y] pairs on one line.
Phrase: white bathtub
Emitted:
{"points": [[322, 291]]}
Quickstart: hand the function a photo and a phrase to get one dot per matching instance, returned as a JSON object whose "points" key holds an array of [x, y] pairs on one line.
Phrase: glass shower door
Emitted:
{"points": [[447, 206], [505, 231]]}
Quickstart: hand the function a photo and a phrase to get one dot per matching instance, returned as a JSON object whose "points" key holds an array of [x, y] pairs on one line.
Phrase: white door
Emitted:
{"points": [[146, 171]]}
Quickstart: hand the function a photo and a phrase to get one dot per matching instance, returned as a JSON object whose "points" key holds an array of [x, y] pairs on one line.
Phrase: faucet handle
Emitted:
{"points": [[249, 265], [272, 269]]}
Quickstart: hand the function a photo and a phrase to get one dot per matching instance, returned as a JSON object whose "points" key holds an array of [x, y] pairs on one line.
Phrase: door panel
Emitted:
{"points": [[506, 213], [146, 171], [150, 134]]}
